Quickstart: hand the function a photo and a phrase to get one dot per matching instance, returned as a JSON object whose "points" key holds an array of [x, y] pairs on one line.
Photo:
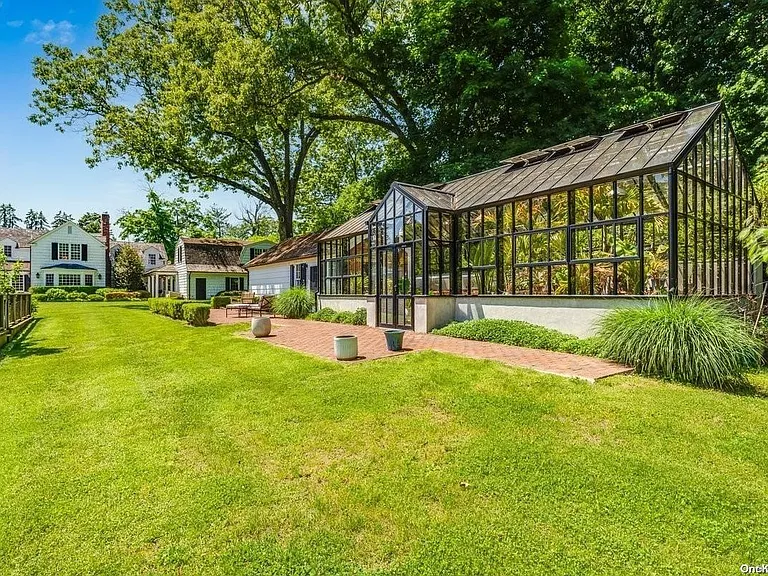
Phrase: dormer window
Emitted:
{"points": [[152, 259], [7, 250]]}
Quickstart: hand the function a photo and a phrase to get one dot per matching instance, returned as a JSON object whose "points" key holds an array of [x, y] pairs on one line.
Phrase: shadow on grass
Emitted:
{"points": [[24, 345]]}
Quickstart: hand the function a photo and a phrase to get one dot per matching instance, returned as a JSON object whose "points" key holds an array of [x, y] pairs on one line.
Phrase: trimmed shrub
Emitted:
{"points": [[229, 293], [220, 301], [358, 318], [690, 340], [95, 298], [121, 295], [68, 289], [143, 294], [512, 332], [54, 295], [167, 307], [77, 296], [196, 314], [294, 303], [105, 291]]}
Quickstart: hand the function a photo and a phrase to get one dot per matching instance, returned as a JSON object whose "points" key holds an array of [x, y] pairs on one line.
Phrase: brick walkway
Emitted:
{"points": [[317, 338]]}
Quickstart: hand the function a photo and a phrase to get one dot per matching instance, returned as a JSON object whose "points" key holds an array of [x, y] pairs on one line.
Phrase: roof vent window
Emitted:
{"points": [[651, 125], [564, 149]]}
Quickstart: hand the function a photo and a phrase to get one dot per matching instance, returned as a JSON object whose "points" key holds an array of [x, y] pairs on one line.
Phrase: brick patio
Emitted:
{"points": [[316, 338]]}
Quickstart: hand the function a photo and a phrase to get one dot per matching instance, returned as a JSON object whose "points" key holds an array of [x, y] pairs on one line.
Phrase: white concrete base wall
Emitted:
{"points": [[346, 303], [577, 316], [371, 307], [432, 312]]}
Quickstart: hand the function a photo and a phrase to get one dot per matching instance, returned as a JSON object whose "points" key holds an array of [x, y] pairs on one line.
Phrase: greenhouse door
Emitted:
{"points": [[395, 286]]}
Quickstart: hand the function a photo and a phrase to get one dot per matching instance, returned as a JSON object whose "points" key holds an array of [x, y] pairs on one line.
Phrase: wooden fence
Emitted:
{"points": [[14, 308]]}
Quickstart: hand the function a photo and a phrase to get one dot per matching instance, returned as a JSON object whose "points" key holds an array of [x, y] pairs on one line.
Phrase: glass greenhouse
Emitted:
{"points": [[649, 209]]}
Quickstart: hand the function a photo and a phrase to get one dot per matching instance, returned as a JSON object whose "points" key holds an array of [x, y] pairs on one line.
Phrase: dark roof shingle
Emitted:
{"points": [[298, 248], [212, 255]]}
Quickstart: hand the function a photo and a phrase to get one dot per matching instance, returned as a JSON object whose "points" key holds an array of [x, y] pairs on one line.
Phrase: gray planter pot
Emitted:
{"points": [[345, 347], [394, 339], [261, 327]]}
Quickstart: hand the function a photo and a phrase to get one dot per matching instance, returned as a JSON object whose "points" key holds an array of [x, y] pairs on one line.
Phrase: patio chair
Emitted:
{"points": [[263, 306]]}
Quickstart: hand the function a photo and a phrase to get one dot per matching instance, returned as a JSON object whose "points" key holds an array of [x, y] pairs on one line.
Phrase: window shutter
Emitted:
{"points": [[54, 250], [84, 252], [292, 272], [242, 284]]}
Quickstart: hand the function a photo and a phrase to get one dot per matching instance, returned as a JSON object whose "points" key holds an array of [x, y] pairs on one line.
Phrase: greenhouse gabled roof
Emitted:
{"points": [[647, 146], [429, 197]]}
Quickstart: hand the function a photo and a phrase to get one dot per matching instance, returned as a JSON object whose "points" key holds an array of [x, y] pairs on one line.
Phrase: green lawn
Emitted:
{"points": [[131, 443]]}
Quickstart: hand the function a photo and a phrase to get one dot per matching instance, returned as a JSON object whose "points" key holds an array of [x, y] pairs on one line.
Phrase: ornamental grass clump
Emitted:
{"points": [[690, 340], [294, 303]]}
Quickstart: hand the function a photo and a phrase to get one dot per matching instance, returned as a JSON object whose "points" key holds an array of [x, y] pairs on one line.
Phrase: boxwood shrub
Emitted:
{"points": [[196, 314], [95, 298], [46, 289], [170, 307], [220, 301], [690, 340], [519, 333]]}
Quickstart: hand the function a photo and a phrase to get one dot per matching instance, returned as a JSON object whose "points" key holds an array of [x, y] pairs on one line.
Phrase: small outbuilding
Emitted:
{"points": [[291, 263]]}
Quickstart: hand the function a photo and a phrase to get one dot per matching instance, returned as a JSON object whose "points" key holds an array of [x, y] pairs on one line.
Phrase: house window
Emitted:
{"points": [[178, 255], [49, 279], [69, 229], [63, 251], [152, 259], [69, 279], [74, 252], [18, 283], [256, 251], [7, 250], [235, 284], [89, 279]]}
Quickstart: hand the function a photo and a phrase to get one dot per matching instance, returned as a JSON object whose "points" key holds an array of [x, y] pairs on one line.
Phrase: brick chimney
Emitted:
{"points": [[108, 262]]}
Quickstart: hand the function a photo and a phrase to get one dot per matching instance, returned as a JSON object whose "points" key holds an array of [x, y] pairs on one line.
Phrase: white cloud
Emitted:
{"points": [[15, 23], [62, 32]]}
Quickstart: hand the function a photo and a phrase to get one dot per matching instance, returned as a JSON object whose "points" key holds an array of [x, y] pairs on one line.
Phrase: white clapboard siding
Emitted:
{"points": [[68, 234], [274, 278]]}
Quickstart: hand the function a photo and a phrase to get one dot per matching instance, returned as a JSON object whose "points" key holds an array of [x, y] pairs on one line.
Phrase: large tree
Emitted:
{"points": [[8, 217], [90, 222], [215, 96], [129, 269], [163, 221], [60, 218]]}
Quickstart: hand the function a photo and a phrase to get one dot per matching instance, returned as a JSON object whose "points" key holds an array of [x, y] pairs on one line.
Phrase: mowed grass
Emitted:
{"points": [[133, 444]]}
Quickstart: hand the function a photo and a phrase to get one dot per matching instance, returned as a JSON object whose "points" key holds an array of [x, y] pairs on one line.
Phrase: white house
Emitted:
{"points": [[152, 254], [70, 256], [253, 248], [15, 244], [207, 266], [291, 263]]}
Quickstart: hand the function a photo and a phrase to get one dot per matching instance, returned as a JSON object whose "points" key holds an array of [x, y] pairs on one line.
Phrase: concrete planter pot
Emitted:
{"points": [[261, 327], [394, 339], [345, 347]]}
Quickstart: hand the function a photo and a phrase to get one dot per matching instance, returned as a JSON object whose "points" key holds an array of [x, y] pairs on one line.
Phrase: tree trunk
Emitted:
{"points": [[284, 223]]}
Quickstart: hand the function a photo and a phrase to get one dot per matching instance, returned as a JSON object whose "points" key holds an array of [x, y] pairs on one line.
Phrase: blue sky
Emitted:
{"points": [[40, 168]]}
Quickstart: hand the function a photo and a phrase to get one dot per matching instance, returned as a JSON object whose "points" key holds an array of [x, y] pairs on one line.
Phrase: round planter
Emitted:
{"points": [[261, 327], [345, 347], [394, 339]]}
